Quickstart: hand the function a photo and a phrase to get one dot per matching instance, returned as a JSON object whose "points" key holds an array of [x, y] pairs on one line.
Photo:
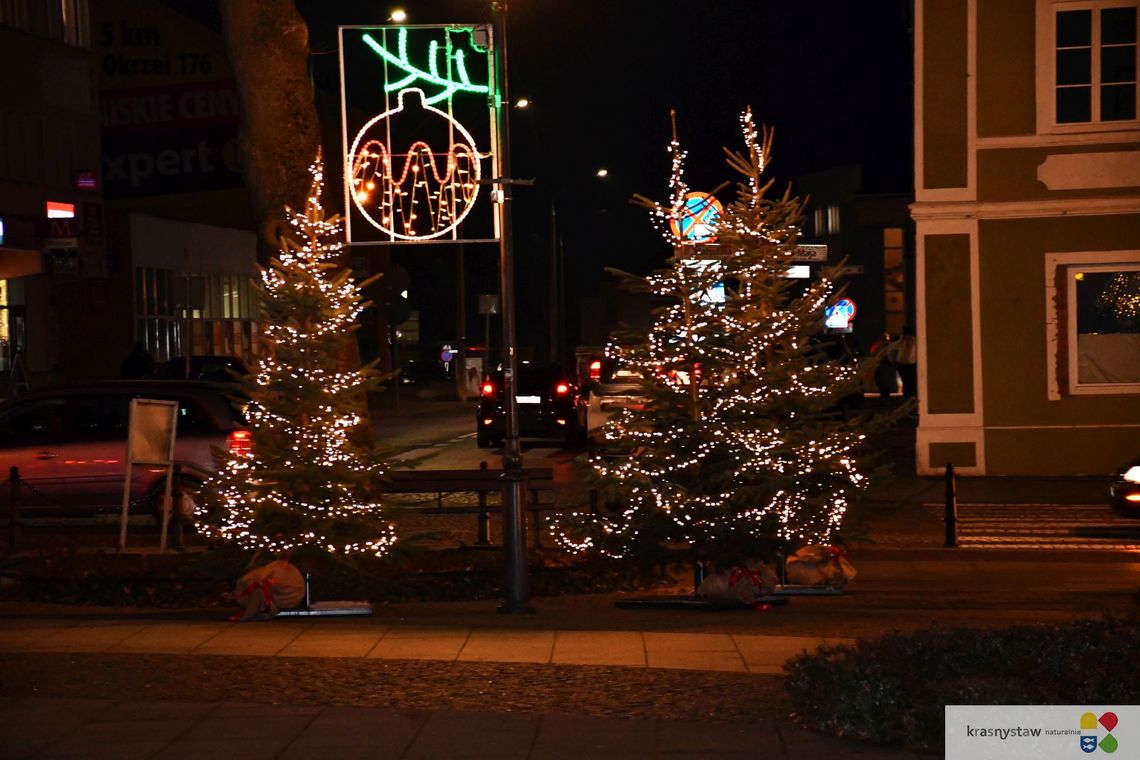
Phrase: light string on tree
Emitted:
{"points": [[301, 483]]}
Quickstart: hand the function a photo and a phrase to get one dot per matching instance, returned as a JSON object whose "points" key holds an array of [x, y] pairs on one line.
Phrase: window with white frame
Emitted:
{"points": [[1091, 48], [1097, 323]]}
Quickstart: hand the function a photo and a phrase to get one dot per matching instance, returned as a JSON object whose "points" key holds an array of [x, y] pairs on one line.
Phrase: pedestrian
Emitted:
{"points": [[904, 353], [138, 362], [886, 375]]}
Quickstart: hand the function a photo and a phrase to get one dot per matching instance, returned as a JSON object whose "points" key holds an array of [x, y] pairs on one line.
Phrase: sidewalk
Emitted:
{"points": [[457, 679]]}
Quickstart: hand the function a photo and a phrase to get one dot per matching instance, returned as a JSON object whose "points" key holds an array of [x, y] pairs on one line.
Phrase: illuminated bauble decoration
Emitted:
{"points": [[695, 221], [415, 192]]}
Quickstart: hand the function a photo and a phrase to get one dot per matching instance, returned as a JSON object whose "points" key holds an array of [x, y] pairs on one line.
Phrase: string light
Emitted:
{"points": [[421, 202], [304, 482], [738, 445]]}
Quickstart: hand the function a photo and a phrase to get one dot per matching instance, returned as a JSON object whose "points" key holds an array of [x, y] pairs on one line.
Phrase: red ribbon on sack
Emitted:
{"points": [[264, 585], [743, 572]]}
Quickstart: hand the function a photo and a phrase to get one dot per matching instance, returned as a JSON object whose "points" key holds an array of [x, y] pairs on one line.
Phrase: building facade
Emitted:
{"points": [[1027, 217]]}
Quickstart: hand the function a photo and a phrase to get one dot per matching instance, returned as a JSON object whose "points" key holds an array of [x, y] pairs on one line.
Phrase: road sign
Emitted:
{"points": [[810, 253]]}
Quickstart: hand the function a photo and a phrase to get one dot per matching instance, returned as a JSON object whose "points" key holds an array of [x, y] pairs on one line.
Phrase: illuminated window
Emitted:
{"points": [[1094, 64], [1096, 323], [57, 210], [833, 220], [819, 222]]}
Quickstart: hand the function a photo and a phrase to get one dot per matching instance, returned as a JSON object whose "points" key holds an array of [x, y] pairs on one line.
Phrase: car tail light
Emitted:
{"points": [[240, 442], [562, 389], [488, 389], [596, 370]]}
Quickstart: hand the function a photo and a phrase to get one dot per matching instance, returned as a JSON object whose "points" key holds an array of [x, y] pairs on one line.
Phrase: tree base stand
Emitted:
{"points": [[699, 603], [309, 608]]}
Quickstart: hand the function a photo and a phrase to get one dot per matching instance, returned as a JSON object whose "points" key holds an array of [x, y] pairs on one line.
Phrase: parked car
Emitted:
{"points": [[549, 403], [70, 444], [1125, 491], [610, 383], [213, 368]]}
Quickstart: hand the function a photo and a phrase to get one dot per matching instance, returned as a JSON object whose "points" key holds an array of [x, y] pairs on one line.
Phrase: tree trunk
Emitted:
{"points": [[268, 45]]}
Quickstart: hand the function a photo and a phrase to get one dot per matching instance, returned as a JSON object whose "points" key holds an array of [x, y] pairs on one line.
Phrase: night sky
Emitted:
{"points": [[834, 79]]}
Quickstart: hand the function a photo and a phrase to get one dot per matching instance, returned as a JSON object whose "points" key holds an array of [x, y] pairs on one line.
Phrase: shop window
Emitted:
{"points": [[1097, 318], [1090, 79]]}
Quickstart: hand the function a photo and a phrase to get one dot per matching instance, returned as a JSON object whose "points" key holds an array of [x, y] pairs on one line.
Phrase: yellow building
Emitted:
{"points": [[1027, 215]]}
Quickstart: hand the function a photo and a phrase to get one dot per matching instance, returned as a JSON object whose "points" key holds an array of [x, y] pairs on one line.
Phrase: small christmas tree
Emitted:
{"points": [[740, 447], [307, 480]]}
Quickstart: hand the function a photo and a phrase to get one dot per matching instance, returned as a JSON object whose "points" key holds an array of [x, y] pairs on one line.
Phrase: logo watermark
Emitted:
{"points": [[1042, 732]]}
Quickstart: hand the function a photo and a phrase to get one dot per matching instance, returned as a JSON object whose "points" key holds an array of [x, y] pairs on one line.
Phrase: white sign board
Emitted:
{"points": [[150, 441]]}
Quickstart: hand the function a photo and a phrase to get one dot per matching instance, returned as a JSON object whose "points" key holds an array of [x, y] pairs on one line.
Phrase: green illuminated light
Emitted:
{"points": [[432, 75]]}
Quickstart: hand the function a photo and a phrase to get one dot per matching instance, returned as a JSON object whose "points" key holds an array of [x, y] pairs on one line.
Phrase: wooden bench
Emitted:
{"points": [[481, 482]]}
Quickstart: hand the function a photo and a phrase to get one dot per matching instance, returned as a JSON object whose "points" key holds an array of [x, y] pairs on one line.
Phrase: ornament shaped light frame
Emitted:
{"points": [[413, 171], [454, 196]]}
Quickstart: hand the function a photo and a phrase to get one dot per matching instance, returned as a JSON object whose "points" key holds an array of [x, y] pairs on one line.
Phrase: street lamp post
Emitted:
{"points": [[517, 598]]}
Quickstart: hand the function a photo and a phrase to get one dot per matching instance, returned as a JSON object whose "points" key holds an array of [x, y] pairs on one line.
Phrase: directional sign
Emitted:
{"points": [[810, 253]]}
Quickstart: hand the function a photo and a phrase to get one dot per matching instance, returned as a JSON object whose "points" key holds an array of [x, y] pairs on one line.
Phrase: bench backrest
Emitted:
{"points": [[425, 481]]}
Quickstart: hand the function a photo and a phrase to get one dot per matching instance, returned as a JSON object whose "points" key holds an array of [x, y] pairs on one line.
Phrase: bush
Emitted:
{"points": [[207, 579], [894, 689]]}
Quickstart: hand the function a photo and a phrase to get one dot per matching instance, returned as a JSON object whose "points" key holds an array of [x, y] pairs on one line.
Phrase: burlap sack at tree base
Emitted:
{"points": [[264, 591], [819, 566], [739, 584]]}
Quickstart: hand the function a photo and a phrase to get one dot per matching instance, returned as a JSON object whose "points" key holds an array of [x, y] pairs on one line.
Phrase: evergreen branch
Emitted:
{"points": [[431, 76]]}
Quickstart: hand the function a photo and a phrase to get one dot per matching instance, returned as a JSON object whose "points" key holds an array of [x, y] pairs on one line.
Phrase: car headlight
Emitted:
{"points": [[1132, 474]]}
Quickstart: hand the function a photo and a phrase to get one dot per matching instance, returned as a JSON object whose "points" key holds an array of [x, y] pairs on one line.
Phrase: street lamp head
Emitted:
{"points": [[603, 172], [522, 103], [399, 15]]}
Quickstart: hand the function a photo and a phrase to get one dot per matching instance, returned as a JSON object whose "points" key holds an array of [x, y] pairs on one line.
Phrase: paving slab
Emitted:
{"points": [[347, 733], [720, 740], [252, 639], [693, 651], [767, 654], [338, 641], [571, 737], [421, 643], [87, 636], [169, 638], [508, 646], [458, 735], [625, 648]]}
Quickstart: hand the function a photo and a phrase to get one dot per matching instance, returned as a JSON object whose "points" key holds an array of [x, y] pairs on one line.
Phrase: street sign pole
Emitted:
{"points": [[517, 599]]}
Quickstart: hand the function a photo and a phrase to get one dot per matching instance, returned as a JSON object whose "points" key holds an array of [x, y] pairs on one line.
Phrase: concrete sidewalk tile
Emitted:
{"points": [[624, 648], [421, 643], [767, 654], [800, 742], [244, 721], [357, 732], [693, 651], [684, 738], [341, 641], [571, 737], [255, 638], [223, 749], [27, 726], [169, 638], [96, 636], [457, 735], [504, 645], [15, 637]]}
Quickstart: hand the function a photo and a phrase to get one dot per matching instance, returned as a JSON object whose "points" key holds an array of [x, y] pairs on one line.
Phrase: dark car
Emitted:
{"points": [[1125, 491], [70, 444], [212, 368], [549, 403]]}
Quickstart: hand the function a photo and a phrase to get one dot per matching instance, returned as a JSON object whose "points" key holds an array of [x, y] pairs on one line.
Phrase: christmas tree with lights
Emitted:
{"points": [[306, 479], [742, 447]]}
